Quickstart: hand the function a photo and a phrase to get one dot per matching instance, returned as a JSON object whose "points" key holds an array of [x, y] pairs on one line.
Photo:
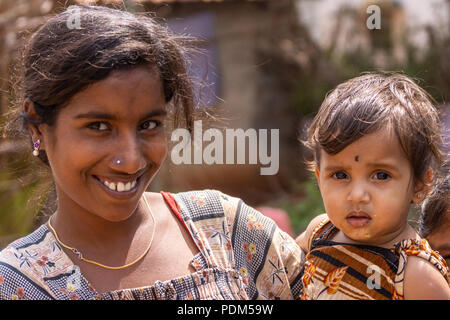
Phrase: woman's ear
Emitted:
{"points": [[33, 127], [423, 186]]}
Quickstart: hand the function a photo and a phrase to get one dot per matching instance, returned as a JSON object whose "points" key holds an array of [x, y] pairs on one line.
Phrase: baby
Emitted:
{"points": [[435, 218], [375, 141]]}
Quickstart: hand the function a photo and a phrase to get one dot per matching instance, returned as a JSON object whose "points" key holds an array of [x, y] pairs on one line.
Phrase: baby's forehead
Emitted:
{"points": [[370, 151], [380, 143]]}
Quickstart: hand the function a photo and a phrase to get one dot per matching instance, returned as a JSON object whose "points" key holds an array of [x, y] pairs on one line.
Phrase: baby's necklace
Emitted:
{"points": [[80, 256]]}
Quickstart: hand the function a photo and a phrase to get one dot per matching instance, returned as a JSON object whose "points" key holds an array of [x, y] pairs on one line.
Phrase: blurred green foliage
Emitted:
{"points": [[23, 186], [302, 211], [15, 218]]}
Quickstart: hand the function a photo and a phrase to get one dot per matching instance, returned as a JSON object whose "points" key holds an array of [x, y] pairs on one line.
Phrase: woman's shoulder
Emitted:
{"points": [[23, 265], [204, 204], [206, 194], [213, 204], [19, 246], [25, 253]]}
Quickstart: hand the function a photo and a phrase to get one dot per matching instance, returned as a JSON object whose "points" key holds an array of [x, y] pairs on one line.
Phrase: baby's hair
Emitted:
{"points": [[435, 208], [60, 60], [373, 101]]}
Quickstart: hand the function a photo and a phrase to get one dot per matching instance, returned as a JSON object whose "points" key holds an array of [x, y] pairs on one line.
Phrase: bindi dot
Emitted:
{"points": [[357, 158]]}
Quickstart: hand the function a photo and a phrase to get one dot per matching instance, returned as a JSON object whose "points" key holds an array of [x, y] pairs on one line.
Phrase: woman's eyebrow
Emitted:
{"points": [[109, 116], [95, 115]]}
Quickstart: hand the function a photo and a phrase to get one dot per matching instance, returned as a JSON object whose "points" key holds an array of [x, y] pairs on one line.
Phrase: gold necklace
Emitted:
{"points": [[80, 256]]}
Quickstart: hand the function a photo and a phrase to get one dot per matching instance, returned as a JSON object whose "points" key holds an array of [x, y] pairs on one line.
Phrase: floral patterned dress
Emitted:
{"points": [[341, 271], [243, 255]]}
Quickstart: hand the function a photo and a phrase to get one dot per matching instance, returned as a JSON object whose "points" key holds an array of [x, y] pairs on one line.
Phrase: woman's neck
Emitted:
{"points": [[81, 229]]}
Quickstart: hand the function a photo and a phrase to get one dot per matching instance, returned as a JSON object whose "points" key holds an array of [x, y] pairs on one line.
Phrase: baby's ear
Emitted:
{"points": [[317, 172], [423, 186]]}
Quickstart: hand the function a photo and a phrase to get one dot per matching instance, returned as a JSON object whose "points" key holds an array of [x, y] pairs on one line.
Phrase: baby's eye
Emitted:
{"points": [[99, 126], [339, 175], [381, 176], [149, 125]]}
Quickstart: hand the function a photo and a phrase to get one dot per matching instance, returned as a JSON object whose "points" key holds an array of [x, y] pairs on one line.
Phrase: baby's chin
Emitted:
{"points": [[363, 238], [361, 235]]}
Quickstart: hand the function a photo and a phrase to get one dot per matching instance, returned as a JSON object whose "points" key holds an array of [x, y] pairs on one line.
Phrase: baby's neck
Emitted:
{"points": [[406, 233]]}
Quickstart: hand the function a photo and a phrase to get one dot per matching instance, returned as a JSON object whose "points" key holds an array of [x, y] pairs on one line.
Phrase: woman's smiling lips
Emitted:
{"points": [[119, 188], [358, 219]]}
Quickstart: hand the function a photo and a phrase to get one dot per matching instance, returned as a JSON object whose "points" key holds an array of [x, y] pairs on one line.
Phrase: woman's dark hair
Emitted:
{"points": [[435, 209], [83, 45], [367, 103]]}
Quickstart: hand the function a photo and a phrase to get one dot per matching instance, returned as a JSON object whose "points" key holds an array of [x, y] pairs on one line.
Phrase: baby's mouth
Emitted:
{"points": [[358, 219]]}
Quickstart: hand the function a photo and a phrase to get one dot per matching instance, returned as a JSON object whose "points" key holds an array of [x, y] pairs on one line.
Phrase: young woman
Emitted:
{"points": [[95, 98]]}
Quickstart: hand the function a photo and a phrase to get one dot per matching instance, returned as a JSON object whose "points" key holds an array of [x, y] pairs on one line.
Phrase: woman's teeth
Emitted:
{"points": [[120, 186]]}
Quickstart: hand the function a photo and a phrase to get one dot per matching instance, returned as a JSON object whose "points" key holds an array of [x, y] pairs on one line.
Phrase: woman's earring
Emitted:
{"points": [[36, 147]]}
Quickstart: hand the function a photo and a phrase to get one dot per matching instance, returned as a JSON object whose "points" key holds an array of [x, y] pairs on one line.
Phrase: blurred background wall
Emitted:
{"points": [[265, 64]]}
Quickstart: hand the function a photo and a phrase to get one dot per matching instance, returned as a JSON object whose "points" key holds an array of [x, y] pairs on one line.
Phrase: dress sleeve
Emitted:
{"points": [[267, 258], [15, 285], [6, 285], [419, 248]]}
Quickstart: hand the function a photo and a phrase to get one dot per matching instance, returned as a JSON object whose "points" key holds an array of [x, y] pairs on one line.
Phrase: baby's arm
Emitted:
{"points": [[302, 240], [424, 282]]}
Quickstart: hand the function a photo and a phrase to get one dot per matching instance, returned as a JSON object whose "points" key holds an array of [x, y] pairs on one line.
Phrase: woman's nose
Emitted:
{"points": [[128, 155]]}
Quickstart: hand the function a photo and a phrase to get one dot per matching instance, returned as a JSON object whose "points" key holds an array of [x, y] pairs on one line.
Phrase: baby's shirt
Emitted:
{"points": [[341, 271]]}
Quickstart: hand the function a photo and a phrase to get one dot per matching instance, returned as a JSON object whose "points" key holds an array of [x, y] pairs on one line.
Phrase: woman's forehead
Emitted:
{"points": [[124, 91]]}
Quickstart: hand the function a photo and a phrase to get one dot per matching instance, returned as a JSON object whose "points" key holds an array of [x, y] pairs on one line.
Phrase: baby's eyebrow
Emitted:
{"points": [[384, 165], [333, 168]]}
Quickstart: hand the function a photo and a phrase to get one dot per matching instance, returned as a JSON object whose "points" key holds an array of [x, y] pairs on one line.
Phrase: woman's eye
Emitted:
{"points": [[381, 176], [99, 126], [339, 175], [149, 125]]}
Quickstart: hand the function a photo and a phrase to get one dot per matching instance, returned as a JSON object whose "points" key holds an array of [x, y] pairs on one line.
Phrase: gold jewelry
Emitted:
{"points": [[80, 256]]}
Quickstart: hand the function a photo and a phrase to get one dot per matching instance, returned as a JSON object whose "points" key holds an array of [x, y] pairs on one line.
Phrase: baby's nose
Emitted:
{"points": [[358, 193]]}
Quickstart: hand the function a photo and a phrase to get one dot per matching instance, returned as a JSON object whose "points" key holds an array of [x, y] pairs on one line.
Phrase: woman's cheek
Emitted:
{"points": [[157, 149]]}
